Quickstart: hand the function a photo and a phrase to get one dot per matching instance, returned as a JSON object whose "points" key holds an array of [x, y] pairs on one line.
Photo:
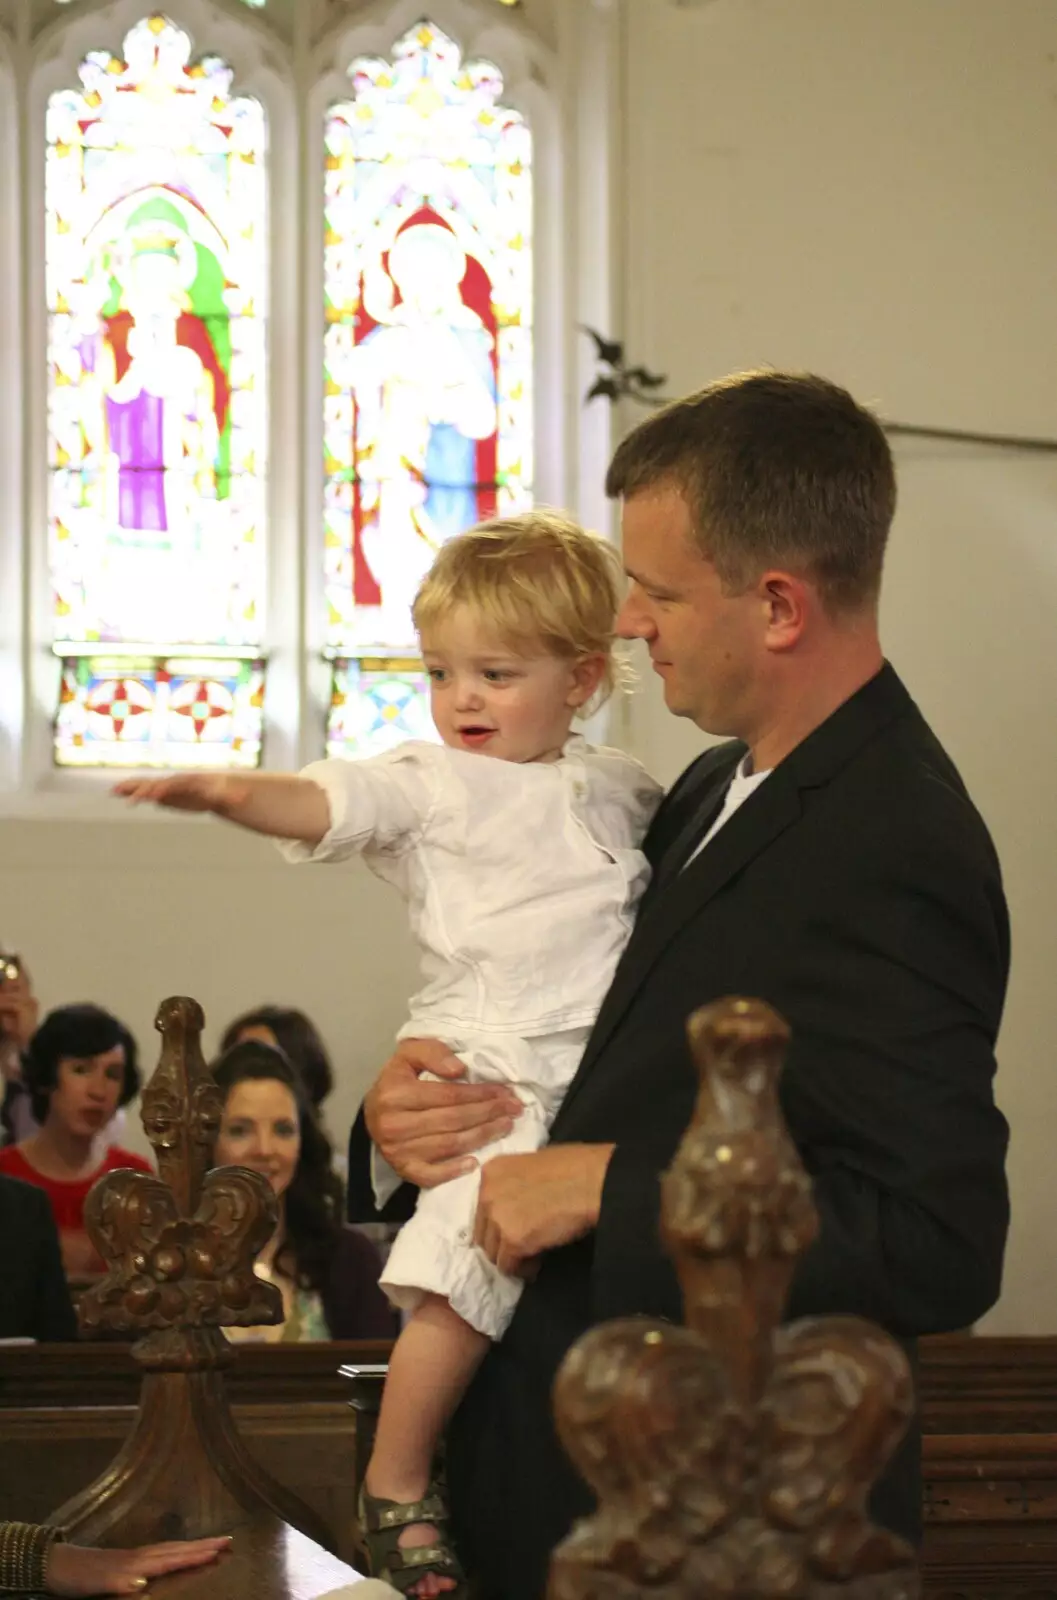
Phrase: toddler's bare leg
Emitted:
{"points": [[431, 1366]]}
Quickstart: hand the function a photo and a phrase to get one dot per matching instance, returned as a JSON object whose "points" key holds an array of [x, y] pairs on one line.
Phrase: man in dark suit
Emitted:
{"points": [[829, 861], [34, 1300]]}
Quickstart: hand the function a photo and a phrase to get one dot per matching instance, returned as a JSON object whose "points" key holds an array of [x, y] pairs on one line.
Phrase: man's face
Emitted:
{"points": [[705, 644]]}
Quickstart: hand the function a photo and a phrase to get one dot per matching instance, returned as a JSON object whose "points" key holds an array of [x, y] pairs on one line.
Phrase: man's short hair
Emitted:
{"points": [[779, 469]]}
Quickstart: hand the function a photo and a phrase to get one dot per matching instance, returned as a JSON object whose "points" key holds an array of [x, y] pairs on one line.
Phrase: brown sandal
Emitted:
{"points": [[381, 1523]]}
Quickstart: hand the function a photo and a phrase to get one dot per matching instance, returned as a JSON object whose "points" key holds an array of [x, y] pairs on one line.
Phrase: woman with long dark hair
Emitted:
{"points": [[79, 1067], [327, 1273], [296, 1035]]}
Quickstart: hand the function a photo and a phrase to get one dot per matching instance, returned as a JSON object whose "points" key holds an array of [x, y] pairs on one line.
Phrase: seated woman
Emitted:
{"points": [[79, 1067], [328, 1274], [296, 1036]]}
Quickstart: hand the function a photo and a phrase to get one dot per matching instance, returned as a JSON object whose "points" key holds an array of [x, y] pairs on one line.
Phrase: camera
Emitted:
{"points": [[10, 968]]}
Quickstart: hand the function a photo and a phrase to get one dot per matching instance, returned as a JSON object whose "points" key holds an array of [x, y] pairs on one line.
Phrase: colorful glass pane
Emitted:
{"points": [[376, 704], [428, 339], [159, 713], [156, 264]]}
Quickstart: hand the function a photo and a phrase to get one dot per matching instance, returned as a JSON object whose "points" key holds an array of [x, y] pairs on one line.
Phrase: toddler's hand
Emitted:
{"points": [[183, 791]]}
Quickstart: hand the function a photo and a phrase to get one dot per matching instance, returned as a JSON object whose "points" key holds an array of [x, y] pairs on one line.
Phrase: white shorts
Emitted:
{"points": [[434, 1253]]}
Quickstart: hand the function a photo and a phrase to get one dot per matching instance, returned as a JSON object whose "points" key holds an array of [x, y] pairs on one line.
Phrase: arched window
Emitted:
{"points": [[428, 349], [200, 201], [156, 268]]}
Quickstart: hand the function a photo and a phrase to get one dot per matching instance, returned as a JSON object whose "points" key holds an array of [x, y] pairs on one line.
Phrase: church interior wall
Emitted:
{"points": [[864, 189]]}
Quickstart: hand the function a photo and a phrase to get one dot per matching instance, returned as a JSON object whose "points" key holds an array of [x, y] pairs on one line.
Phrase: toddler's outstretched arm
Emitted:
{"points": [[280, 804]]}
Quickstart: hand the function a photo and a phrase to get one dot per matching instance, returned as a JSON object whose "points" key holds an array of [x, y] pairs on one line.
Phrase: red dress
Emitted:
{"points": [[67, 1199]]}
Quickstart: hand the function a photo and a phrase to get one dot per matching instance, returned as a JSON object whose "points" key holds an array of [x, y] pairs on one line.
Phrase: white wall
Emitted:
{"points": [[868, 188], [865, 187], [130, 911], [969, 620]]}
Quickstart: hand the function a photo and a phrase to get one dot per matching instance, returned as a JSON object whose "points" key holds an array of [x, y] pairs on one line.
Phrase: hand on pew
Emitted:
{"points": [[78, 1572]]}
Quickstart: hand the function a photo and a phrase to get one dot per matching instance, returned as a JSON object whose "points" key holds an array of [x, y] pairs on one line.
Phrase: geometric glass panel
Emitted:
{"points": [[175, 712], [428, 409], [156, 280], [377, 704]]}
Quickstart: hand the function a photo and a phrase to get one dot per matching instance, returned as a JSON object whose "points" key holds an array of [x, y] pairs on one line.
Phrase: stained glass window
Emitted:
{"points": [[376, 704], [427, 350], [156, 288], [173, 713]]}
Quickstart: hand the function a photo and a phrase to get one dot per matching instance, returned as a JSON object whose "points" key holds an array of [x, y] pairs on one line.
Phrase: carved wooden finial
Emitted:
{"points": [[736, 1206], [180, 1251], [733, 1458], [181, 1105], [180, 1248], [650, 1421]]}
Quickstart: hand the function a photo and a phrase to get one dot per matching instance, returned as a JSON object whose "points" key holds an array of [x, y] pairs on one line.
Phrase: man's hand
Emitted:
{"points": [[427, 1130], [535, 1202]]}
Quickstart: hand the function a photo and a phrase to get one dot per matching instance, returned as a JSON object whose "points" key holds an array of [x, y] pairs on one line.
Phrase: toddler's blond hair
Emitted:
{"points": [[535, 578]]}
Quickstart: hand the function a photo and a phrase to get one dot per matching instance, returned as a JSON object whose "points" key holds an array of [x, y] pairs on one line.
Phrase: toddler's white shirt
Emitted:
{"points": [[521, 879]]}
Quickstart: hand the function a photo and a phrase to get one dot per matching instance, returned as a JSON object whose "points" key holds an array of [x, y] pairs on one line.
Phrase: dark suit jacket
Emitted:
{"points": [[353, 1304], [858, 892], [34, 1300]]}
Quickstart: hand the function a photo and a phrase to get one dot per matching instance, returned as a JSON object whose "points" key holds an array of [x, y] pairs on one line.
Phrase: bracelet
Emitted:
{"points": [[24, 1550]]}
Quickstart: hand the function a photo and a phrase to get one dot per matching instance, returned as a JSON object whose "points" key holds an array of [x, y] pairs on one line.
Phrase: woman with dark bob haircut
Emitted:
{"points": [[79, 1067], [296, 1036], [328, 1274]]}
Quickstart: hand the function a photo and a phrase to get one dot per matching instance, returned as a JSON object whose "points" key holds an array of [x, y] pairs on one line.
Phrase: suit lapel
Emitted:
{"points": [[761, 819], [697, 795], [766, 813]]}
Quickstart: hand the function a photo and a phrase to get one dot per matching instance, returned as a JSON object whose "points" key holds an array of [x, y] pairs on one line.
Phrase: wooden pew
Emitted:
{"points": [[65, 1410], [989, 1409]]}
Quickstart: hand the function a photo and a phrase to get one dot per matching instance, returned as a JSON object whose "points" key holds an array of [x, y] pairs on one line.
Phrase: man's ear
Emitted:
{"points": [[587, 673], [787, 601]]}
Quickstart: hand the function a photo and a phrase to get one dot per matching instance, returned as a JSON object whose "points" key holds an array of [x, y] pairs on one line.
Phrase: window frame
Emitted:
{"points": [[567, 89], [526, 68], [56, 62]]}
